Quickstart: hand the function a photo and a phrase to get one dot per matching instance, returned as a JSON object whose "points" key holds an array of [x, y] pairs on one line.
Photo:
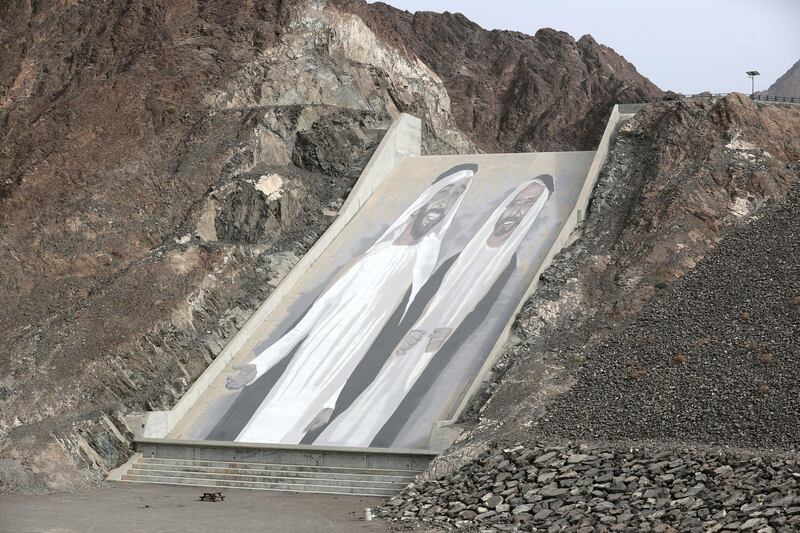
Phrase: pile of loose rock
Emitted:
{"points": [[570, 487], [714, 358]]}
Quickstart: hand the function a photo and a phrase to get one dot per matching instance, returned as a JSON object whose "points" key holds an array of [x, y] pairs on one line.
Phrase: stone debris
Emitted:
{"points": [[733, 321], [582, 488]]}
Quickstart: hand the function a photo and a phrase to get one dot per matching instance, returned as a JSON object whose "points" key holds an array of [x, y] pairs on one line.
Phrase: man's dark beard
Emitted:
{"points": [[500, 231], [420, 227]]}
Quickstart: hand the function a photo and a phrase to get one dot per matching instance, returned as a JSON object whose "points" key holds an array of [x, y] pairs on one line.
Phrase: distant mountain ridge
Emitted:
{"points": [[788, 84]]}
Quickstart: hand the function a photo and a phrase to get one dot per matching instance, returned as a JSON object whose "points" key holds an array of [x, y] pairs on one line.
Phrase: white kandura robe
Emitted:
{"points": [[340, 326], [465, 284]]}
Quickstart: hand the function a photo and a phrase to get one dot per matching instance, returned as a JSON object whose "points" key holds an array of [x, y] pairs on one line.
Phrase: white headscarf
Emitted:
{"points": [[465, 284], [429, 245], [462, 277]]}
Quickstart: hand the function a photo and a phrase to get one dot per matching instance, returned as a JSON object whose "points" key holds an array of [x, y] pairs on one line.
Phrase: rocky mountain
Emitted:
{"points": [[788, 84], [165, 163], [511, 91]]}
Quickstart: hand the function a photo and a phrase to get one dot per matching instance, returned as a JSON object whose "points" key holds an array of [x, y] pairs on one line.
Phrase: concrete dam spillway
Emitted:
{"points": [[389, 328], [384, 330]]}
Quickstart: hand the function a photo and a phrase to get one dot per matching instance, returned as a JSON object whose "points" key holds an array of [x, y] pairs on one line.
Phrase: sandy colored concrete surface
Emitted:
{"points": [[133, 508]]}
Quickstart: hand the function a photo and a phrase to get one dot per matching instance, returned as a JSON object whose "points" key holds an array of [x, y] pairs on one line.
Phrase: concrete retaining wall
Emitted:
{"points": [[330, 456], [403, 139], [630, 108]]}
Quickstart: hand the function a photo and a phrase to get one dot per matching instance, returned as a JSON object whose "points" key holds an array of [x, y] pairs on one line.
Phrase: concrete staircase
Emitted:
{"points": [[263, 476]]}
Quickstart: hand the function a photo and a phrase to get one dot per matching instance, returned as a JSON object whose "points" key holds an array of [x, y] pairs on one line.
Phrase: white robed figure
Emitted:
{"points": [[465, 284], [338, 329]]}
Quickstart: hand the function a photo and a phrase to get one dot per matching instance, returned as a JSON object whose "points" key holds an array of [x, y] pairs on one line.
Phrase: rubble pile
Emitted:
{"points": [[586, 488]]}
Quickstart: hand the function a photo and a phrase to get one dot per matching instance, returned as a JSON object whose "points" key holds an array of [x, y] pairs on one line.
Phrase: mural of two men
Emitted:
{"points": [[342, 324]]}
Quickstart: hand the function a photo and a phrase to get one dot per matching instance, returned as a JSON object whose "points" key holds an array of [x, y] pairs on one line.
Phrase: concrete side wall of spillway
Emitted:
{"points": [[403, 139]]}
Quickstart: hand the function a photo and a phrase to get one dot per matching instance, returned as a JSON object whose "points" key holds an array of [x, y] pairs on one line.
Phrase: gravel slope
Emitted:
{"points": [[714, 358]]}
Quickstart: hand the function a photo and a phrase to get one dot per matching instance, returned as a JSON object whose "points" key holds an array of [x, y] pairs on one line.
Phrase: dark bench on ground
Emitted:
{"points": [[212, 497]]}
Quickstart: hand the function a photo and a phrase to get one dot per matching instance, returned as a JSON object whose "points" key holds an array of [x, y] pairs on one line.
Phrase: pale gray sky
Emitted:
{"points": [[688, 46]]}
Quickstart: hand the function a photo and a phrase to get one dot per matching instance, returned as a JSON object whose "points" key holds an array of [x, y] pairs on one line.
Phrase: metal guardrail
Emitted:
{"points": [[676, 96], [779, 99]]}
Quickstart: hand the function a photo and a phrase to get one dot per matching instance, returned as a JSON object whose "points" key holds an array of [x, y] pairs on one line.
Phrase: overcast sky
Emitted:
{"points": [[688, 46]]}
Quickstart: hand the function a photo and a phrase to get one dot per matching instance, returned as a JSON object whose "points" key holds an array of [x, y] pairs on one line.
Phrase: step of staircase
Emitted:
{"points": [[264, 476], [195, 463]]}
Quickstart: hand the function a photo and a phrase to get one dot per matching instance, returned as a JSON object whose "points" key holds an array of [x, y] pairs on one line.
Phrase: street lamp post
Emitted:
{"points": [[752, 75]]}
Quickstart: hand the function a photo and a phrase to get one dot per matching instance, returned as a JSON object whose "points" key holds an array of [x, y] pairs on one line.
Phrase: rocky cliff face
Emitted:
{"points": [[165, 163], [788, 84], [511, 91]]}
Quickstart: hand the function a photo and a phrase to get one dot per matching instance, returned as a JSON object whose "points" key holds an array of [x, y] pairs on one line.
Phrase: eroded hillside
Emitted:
{"points": [[511, 91], [165, 163], [788, 84]]}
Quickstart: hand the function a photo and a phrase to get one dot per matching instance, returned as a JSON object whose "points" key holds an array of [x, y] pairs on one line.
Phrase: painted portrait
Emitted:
{"points": [[394, 322]]}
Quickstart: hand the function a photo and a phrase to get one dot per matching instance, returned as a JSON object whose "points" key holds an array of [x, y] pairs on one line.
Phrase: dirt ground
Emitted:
{"points": [[132, 508]]}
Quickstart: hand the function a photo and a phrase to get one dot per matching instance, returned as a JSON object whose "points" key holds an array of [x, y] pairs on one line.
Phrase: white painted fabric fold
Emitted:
{"points": [[465, 284], [345, 319]]}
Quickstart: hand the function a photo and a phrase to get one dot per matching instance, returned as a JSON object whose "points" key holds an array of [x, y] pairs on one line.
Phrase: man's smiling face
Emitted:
{"points": [[517, 209], [437, 207]]}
